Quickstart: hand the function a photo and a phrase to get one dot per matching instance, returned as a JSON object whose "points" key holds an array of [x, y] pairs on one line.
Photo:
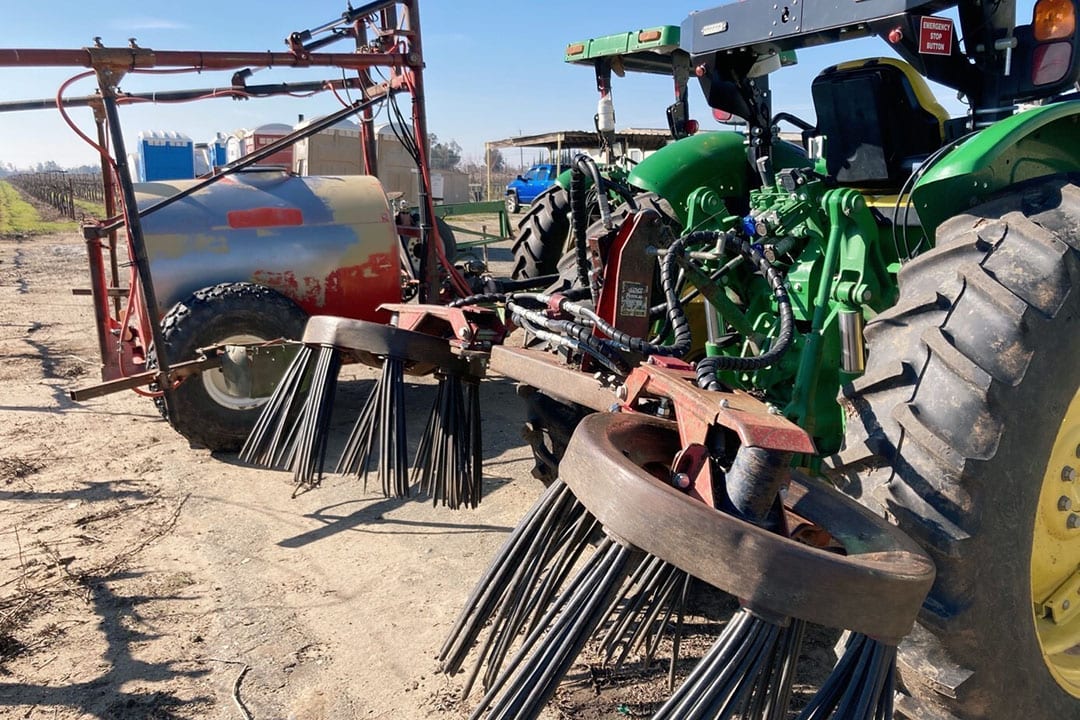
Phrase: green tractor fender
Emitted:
{"points": [[716, 161], [1037, 143]]}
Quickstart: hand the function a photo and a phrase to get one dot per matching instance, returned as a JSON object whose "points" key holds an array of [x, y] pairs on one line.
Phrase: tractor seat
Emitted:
{"points": [[879, 119]]}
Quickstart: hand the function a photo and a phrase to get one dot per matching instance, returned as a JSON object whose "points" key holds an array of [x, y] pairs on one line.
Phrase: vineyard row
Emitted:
{"points": [[61, 189]]}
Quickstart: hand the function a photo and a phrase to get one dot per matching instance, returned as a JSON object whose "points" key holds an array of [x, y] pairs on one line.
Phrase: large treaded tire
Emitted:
{"points": [[542, 234], [950, 431], [208, 317]]}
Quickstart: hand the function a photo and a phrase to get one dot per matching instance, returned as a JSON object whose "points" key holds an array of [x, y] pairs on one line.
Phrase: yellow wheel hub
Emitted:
{"points": [[1055, 556]]}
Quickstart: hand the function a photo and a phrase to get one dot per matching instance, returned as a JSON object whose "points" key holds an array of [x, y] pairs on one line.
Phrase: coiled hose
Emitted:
{"points": [[708, 368]]}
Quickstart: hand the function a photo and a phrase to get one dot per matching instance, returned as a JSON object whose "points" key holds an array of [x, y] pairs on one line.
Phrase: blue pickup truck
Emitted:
{"points": [[523, 189]]}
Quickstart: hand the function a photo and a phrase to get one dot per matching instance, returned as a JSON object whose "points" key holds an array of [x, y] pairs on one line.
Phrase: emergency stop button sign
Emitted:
{"points": [[935, 36]]}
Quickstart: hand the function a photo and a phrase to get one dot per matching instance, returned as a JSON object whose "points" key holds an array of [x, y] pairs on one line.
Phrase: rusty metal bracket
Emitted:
{"points": [[470, 327], [697, 410], [548, 374], [177, 371]]}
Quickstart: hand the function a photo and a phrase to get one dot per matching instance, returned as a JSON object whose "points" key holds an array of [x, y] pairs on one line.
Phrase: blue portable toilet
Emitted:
{"points": [[218, 150], [165, 156]]}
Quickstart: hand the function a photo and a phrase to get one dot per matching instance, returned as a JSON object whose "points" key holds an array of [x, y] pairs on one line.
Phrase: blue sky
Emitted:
{"points": [[494, 69]]}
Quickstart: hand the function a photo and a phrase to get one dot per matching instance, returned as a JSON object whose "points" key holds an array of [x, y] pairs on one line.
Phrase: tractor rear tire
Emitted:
{"points": [[203, 410], [542, 235], [965, 430]]}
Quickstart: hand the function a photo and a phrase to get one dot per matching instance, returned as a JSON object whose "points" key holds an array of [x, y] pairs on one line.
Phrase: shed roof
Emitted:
{"points": [[644, 138]]}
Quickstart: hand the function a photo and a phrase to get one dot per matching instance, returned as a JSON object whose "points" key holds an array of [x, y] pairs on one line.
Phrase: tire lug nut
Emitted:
{"points": [[1068, 473], [1064, 503], [1073, 521]]}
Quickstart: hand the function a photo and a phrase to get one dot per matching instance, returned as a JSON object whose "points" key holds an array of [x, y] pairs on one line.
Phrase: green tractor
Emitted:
{"points": [[544, 232], [925, 328]]}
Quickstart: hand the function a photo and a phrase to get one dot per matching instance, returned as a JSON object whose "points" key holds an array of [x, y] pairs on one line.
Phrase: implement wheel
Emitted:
{"points": [[965, 428], [206, 410]]}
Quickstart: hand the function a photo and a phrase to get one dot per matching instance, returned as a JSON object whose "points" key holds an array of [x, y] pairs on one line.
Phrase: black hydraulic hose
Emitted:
{"points": [[509, 294], [567, 333], [478, 299], [526, 283], [708, 367], [579, 219], [581, 165], [676, 315]]}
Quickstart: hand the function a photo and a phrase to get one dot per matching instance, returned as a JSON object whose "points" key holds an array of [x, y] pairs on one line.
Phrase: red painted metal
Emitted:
{"points": [[387, 36], [625, 296], [139, 58], [470, 327], [697, 410], [265, 217]]}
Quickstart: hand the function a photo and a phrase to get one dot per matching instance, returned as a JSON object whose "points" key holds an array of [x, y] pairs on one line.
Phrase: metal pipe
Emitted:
{"points": [[429, 291], [712, 323], [135, 234], [852, 344], [228, 91], [126, 59], [109, 199]]}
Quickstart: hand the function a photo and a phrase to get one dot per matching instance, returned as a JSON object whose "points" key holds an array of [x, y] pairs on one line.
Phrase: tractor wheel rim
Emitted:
{"points": [[214, 380], [1055, 556]]}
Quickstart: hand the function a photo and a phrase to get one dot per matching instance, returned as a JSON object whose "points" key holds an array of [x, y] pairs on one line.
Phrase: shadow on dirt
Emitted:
{"points": [[371, 519], [90, 491], [120, 623]]}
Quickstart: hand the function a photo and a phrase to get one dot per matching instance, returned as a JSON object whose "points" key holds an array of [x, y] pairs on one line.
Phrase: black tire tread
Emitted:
{"points": [[184, 331], [542, 233], [972, 318]]}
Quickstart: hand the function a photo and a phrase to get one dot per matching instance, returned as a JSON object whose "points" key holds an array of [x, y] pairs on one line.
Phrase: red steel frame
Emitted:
{"points": [[396, 45]]}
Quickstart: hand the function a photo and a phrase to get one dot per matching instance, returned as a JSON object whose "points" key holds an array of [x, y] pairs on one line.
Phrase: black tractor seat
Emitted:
{"points": [[879, 119]]}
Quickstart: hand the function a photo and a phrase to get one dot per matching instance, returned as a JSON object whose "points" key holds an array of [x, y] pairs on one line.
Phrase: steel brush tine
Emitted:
{"points": [[314, 425], [551, 648], [357, 450], [269, 435], [502, 565]]}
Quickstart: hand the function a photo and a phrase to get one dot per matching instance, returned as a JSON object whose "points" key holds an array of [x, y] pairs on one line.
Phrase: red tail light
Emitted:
{"points": [[1051, 62]]}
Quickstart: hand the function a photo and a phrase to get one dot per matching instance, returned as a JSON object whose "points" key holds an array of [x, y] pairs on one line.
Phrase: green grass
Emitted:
{"points": [[18, 217], [90, 209]]}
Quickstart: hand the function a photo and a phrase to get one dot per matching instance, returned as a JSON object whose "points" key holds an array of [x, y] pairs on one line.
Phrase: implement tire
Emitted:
{"points": [[965, 429], [203, 410]]}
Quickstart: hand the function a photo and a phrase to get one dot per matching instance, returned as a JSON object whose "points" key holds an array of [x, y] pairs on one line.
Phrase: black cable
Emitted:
{"points": [[568, 334], [579, 219], [676, 316], [479, 299], [708, 368], [906, 190]]}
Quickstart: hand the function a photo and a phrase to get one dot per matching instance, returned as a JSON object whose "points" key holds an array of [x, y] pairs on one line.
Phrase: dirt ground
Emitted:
{"points": [[141, 578]]}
